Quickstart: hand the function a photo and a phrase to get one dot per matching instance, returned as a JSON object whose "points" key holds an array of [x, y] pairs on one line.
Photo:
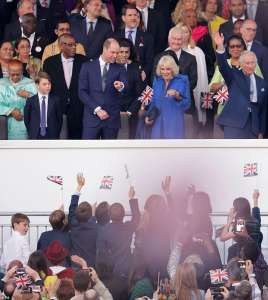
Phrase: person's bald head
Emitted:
{"points": [[15, 70], [25, 7], [248, 30], [67, 45], [29, 23], [110, 50]]}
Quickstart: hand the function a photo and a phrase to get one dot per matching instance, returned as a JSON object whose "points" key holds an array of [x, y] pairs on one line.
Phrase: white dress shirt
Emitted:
{"points": [[88, 21], [30, 38], [144, 12], [17, 247], [40, 97], [67, 64], [253, 89], [241, 18], [249, 45]]}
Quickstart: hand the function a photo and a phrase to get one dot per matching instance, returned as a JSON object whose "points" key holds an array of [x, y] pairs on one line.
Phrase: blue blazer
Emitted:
{"points": [[237, 110], [32, 117], [262, 56], [91, 94]]}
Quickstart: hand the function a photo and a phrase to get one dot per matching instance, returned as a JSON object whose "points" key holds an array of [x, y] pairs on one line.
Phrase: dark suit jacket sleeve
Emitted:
{"points": [[149, 56], [256, 214], [27, 113], [263, 114], [224, 68], [123, 78], [139, 87], [72, 208], [83, 88], [58, 114], [135, 212]]}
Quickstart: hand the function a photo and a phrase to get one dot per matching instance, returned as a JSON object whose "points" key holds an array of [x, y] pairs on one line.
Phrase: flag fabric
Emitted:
{"points": [[107, 183], [55, 179], [23, 279], [206, 100], [250, 169], [218, 276], [222, 95], [146, 95]]}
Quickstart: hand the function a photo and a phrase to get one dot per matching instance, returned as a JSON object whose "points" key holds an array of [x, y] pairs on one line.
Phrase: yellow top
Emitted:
{"points": [[54, 49], [215, 25]]}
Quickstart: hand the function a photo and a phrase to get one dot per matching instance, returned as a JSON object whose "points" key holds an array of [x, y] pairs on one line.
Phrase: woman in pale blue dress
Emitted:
{"points": [[14, 92]]}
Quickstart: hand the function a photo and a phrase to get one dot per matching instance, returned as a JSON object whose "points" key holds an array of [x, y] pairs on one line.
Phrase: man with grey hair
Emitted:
{"points": [[248, 31], [187, 66], [244, 115]]}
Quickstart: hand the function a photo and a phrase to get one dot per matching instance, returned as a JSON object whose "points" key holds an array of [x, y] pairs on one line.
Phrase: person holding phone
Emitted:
{"points": [[234, 229]]}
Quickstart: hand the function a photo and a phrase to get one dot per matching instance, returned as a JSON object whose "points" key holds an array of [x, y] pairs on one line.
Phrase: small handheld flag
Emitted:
{"points": [[218, 276], [222, 95], [107, 183], [250, 169], [55, 179], [206, 100], [146, 95]]}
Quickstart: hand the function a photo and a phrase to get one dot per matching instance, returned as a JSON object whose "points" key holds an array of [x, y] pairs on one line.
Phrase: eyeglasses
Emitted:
{"points": [[238, 46]]}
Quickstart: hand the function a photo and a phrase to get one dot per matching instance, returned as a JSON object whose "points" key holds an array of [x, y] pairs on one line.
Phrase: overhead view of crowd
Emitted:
{"points": [[167, 251], [133, 69]]}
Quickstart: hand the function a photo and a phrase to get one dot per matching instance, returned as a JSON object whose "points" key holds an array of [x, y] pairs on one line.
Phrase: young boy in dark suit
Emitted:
{"points": [[42, 112]]}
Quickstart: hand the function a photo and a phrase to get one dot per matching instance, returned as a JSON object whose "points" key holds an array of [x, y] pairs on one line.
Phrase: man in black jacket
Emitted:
{"points": [[64, 69], [92, 30], [142, 41]]}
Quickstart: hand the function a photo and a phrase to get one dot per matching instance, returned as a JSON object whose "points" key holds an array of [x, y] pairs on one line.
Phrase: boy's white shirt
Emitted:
{"points": [[16, 247]]}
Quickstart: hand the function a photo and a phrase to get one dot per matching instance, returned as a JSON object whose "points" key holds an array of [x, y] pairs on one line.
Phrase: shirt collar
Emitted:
{"points": [[63, 59], [145, 9], [89, 20], [41, 95], [241, 18], [102, 62], [134, 30], [30, 37]]}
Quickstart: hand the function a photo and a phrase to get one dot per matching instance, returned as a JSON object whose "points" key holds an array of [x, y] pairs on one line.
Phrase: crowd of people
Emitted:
{"points": [[166, 252], [133, 69]]}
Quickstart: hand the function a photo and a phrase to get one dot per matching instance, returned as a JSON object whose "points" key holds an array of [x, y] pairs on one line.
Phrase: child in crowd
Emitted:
{"points": [[42, 112], [17, 247]]}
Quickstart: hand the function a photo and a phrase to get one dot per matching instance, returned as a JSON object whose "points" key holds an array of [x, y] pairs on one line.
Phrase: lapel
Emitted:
{"points": [[259, 87], [37, 106], [61, 72], [139, 39], [244, 84], [83, 28], [75, 72], [50, 105], [98, 73]]}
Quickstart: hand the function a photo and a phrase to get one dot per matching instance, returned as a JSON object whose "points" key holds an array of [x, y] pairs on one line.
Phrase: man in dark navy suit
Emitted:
{"points": [[248, 31], [142, 41], [244, 115], [92, 30], [42, 112], [100, 83]]}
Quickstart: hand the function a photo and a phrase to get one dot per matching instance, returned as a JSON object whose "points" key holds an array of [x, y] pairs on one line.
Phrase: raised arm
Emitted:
{"points": [[134, 208], [75, 197], [224, 67]]}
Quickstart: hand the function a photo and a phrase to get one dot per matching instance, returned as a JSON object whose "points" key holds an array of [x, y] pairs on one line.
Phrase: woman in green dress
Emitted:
{"points": [[14, 92]]}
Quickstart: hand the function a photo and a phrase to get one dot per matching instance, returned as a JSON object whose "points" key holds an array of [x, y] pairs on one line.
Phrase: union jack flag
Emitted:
{"points": [[107, 183], [146, 95], [206, 100], [222, 95], [250, 169], [23, 279], [55, 179], [218, 276]]}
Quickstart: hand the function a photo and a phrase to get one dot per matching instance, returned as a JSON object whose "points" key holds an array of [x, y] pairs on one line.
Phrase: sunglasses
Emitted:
{"points": [[239, 46]]}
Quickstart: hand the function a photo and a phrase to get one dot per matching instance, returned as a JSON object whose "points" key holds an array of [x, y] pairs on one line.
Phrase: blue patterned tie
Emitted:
{"points": [[130, 36], [43, 117]]}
